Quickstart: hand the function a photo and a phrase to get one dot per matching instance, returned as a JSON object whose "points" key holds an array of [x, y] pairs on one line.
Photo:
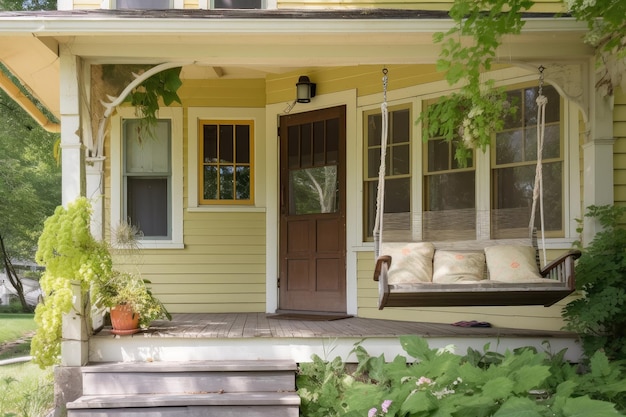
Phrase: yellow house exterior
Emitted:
{"points": [[244, 67]]}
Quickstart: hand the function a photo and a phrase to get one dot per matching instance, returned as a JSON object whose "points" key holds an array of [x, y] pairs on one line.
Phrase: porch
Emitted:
{"points": [[258, 336]]}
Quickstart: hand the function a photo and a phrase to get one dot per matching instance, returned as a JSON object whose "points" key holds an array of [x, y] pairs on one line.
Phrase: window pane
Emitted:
{"points": [[210, 143], [373, 162], [374, 126], [401, 158], [227, 181], [147, 205], [238, 4], [243, 144], [451, 191], [397, 215], [313, 190], [513, 199], [226, 146], [319, 139], [243, 183], [146, 154], [142, 4], [400, 126], [210, 183], [509, 147], [438, 155], [332, 141]]}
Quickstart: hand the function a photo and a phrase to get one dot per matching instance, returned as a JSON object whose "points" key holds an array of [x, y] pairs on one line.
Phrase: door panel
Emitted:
{"points": [[312, 223]]}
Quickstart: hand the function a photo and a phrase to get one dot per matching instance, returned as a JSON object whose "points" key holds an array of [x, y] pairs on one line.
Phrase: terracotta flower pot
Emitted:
{"points": [[124, 320]]}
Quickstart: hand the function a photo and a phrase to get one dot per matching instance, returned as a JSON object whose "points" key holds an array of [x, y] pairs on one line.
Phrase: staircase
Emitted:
{"points": [[189, 389]]}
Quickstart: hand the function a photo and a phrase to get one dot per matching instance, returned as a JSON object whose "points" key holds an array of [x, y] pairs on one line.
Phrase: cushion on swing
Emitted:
{"points": [[507, 263], [410, 262], [458, 267]]}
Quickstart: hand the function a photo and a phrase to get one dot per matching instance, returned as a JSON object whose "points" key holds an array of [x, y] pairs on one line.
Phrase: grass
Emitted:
{"points": [[25, 389], [15, 327]]}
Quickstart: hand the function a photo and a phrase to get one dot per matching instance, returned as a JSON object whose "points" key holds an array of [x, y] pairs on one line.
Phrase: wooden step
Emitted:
{"points": [[186, 377], [252, 404], [188, 389]]}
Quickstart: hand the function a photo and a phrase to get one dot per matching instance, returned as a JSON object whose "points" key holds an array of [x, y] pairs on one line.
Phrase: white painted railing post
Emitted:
{"points": [[75, 333]]}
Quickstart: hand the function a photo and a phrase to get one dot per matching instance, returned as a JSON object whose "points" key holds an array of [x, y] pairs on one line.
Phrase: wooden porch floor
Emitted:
{"points": [[261, 325]]}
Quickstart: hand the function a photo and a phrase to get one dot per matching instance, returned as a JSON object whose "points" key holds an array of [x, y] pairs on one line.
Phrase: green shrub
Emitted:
{"points": [[441, 383], [599, 315]]}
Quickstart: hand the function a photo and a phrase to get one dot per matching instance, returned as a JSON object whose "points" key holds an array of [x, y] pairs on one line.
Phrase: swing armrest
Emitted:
{"points": [[562, 268], [574, 253], [383, 259]]}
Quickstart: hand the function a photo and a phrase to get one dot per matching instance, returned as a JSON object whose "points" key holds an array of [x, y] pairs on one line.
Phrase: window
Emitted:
{"points": [[238, 4], [514, 161], [143, 4], [147, 178], [450, 194], [225, 150], [397, 212], [453, 195]]}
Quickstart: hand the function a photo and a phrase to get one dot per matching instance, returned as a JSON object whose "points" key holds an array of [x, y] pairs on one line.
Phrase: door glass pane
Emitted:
{"points": [[313, 190], [319, 143]]}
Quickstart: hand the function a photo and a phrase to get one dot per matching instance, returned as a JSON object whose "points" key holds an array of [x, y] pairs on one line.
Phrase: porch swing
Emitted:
{"points": [[470, 273]]}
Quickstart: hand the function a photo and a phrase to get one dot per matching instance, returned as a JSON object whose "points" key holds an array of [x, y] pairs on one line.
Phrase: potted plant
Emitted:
{"points": [[130, 301]]}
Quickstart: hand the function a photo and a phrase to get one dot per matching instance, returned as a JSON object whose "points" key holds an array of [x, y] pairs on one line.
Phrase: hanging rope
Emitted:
{"points": [[380, 196], [538, 188]]}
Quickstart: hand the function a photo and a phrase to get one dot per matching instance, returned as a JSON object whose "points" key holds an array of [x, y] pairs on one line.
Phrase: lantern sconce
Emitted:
{"points": [[305, 89]]}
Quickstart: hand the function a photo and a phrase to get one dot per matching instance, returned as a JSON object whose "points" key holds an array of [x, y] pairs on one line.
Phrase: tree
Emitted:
{"points": [[28, 5], [30, 186]]}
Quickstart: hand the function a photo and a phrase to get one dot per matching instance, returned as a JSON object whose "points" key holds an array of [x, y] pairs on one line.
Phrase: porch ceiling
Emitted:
{"points": [[237, 45]]}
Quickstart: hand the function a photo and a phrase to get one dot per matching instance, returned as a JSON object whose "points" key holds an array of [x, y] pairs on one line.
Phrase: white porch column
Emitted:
{"points": [[74, 347], [598, 159]]}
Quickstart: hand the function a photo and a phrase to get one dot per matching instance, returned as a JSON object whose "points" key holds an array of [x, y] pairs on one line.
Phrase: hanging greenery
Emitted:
{"points": [[471, 115], [163, 85]]}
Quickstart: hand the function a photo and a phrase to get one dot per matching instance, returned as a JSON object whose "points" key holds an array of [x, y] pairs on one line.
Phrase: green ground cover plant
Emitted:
{"points": [[25, 390], [439, 382]]}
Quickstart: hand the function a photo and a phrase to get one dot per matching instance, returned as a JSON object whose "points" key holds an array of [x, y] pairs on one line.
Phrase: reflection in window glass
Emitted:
{"points": [[313, 190], [515, 161], [397, 212]]}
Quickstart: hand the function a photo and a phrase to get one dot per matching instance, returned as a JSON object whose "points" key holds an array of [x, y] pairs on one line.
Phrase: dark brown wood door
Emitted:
{"points": [[313, 211]]}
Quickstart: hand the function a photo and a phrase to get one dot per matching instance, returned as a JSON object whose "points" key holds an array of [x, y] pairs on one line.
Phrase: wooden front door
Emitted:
{"points": [[313, 211]]}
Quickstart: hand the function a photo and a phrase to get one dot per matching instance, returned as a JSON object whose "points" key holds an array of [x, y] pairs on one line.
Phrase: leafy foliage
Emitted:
{"points": [[30, 183], [70, 253], [441, 383], [599, 315], [471, 115], [145, 97]]}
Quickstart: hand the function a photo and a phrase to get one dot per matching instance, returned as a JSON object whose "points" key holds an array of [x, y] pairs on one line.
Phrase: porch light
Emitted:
{"points": [[305, 89]]}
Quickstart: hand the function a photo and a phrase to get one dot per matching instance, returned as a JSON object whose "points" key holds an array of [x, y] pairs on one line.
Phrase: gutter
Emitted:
{"points": [[26, 103]]}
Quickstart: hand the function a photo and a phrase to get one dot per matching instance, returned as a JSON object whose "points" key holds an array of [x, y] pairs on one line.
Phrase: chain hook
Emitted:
{"points": [[541, 69]]}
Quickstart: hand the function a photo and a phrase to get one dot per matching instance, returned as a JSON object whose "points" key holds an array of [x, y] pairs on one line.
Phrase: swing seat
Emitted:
{"points": [[448, 281]]}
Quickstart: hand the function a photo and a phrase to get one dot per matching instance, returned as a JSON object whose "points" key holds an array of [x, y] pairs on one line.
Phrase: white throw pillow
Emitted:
{"points": [[410, 262], [508, 263], [458, 267]]}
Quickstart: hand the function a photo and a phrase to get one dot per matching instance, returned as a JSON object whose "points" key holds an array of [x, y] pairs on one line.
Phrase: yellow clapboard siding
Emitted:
{"points": [[366, 79], [223, 268], [207, 278], [224, 240], [619, 128], [212, 288], [211, 298], [223, 93], [183, 307], [207, 259]]}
